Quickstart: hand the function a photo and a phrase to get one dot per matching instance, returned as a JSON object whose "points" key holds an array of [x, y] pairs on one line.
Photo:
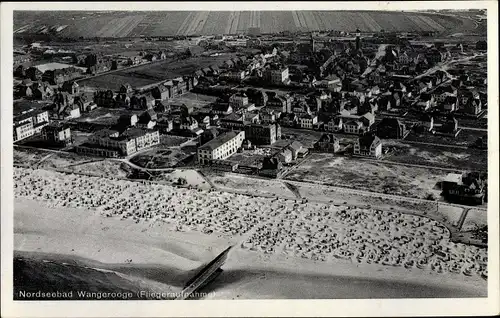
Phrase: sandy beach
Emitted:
{"points": [[162, 234]]}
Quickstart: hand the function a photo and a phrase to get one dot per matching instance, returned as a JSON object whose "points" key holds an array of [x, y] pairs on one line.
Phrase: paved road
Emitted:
{"points": [[380, 53]]}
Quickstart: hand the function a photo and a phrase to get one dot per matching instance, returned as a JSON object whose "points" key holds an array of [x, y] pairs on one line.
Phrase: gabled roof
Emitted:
{"points": [[367, 140], [369, 116], [161, 88], [221, 107], [233, 117], [295, 145], [328, 138], [354, 123]]}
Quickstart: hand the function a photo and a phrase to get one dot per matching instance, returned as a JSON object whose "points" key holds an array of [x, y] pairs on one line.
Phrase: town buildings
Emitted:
{"points": [[368, 145], [276, 75], [59, 76], [28, 122], [112, 143], [392, 128], [467, 187], [57, 134], [221, 147], [238, 100], [263, 134], [327, 143]]}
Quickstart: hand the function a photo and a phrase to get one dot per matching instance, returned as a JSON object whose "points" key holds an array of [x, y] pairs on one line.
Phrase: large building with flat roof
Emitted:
{"points": [[110, 143], [221, 147], [263, 134], [28, 120]]}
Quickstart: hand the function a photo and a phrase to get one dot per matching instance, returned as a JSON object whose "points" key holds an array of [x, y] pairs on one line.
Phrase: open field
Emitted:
{"points": [[105, 116], [172, 141], [100, 167], [475, 218], [144, 75], [437, 156], [234, 182], [135, 24], [465, 138], [193, 100], [306, 137], [371, 176], [29, 157]]}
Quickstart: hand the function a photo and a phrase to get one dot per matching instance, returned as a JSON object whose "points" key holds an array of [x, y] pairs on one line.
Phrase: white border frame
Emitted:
{"points": [[371, 307]]}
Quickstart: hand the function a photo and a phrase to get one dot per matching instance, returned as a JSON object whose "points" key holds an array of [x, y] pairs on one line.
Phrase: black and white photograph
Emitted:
{"points": [[169, 153]]}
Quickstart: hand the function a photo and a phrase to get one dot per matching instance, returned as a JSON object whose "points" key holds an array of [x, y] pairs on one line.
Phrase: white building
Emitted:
{"points": [[238, 100], [57, 133], [307, 121], [334, 125], [29, 123], [368, 146], [110, 143], [221, 147], [234, 76], [277, 76]]}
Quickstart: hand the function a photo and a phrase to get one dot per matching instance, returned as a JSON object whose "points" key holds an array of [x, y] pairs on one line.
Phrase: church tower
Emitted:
{"points": [[358, 40]]}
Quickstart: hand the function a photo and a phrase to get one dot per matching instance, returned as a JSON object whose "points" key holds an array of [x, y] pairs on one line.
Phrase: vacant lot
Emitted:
{"points": [[465, 138], [475, 219], [101, 167], [46, 159], [193, 100], [437, 156], [155, 72], [28, 157], [172, 141], [371, 176], [105, 116], [248, 185], [306, 137]]}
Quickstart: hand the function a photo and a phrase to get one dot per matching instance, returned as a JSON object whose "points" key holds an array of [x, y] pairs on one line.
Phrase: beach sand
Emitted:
{"points": [[277, 252]]}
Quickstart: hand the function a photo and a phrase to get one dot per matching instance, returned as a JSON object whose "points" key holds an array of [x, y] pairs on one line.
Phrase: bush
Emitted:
{"points": [[430, 197]]}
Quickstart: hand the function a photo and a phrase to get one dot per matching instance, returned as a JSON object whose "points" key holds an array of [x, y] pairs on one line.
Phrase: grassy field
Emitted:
{"points": [[194, 100], [31, 157], [306, 137], [371, 176], [105, 116], [465, 138], [104, 168], [437, 156], [172, 141], [475, 218], [257, 186], [146, 23], [148, 74]]}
